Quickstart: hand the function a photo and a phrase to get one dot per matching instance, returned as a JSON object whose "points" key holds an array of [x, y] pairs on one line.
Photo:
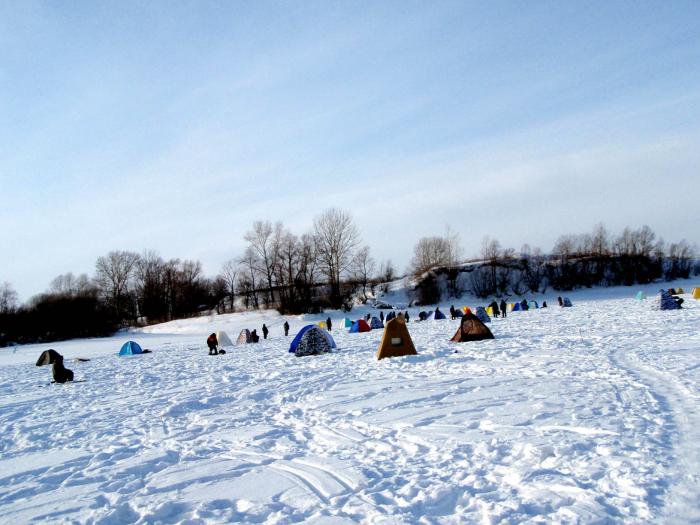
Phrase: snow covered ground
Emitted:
{"points": [[587, 414]]}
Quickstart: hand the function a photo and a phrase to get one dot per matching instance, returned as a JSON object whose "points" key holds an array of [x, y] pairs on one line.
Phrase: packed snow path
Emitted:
{"points": [[587, 414]]}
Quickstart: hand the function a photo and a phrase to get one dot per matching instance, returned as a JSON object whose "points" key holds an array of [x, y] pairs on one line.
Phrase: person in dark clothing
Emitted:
{"points": [[381, 316], [524, 305], [452, 312], [406, 316], [286, 328], [504, 308], [329, 324], [254, 337], [213, 344], [368, 317], [544, 304], [494, 307], [265, 331], [559, 300]]}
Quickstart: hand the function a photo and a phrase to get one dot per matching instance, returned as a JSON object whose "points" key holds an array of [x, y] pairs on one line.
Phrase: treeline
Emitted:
{"points": [[322, 268], [326, 267], [635, 256]]}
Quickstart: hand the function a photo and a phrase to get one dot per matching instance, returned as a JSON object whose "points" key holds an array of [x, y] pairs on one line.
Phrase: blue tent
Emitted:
{"points": [[517, 308], [348, 323], [439, 315], [640, 296], [533, 305], [297, 338], [376, 324], [130, 348], [567, 302]]}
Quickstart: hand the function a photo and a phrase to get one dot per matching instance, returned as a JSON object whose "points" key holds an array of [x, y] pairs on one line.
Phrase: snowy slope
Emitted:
{"points": [[586, 414]]}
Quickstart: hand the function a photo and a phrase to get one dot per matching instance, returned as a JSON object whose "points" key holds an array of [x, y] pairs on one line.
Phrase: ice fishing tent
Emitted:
{"points": [[243, 337], [533, 305], [640, 296], [322, 324], [665, 301], [347, 322], [679, 291], [696, 293], [376, 324], [482, 315], [130, 348], [359, 326], [396, 340], [567, 302], [223, 338], [423, 315], [439, 315], [517, 307], [430, 315], [489, 310], [466, 310], [471, 329], [311, 340]]}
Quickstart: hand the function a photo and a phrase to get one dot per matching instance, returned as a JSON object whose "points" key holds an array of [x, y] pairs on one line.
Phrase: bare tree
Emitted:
{"points": [[229, 274], [8, 298], [363, 270], [431, 252], [249, 262], [68, 285], [336, 238], [113, 272], [262, 242]]}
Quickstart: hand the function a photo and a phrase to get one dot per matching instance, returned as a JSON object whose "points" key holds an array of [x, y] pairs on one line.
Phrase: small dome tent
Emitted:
{"points": [[533, 305], [359, 326], [640, 296], [376, 324], [482, 315], [243, 337], [696, 293], [680, 291], [665, 301], [130, 348], [567, 302], [517, 307], [471, 329], [348, 323], [439, 315], [396, 341], [322, 324], [311, 340], [223, 338]]}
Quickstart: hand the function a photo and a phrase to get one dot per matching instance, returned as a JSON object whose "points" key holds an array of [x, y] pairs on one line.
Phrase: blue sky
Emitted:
{"points": [[173, 125]]}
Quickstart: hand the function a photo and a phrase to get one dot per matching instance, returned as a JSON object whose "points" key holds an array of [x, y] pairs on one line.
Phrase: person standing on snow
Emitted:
{"points": [[286, 328], [213, 344], [265, 331], [504, 307], [329, 324]]}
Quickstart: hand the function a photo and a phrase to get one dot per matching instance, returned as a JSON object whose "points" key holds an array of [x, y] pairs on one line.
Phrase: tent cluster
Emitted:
{"points": [[359, 326]]}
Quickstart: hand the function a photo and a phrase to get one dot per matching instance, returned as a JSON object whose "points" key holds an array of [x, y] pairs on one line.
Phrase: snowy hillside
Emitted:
{"points": [[586, 414]]}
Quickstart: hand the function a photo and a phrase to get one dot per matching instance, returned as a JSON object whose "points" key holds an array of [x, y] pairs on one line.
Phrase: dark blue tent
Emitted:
{"points": [[376, 324], [439, 315], [517, 308], [130, 348], [295, 342]]}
